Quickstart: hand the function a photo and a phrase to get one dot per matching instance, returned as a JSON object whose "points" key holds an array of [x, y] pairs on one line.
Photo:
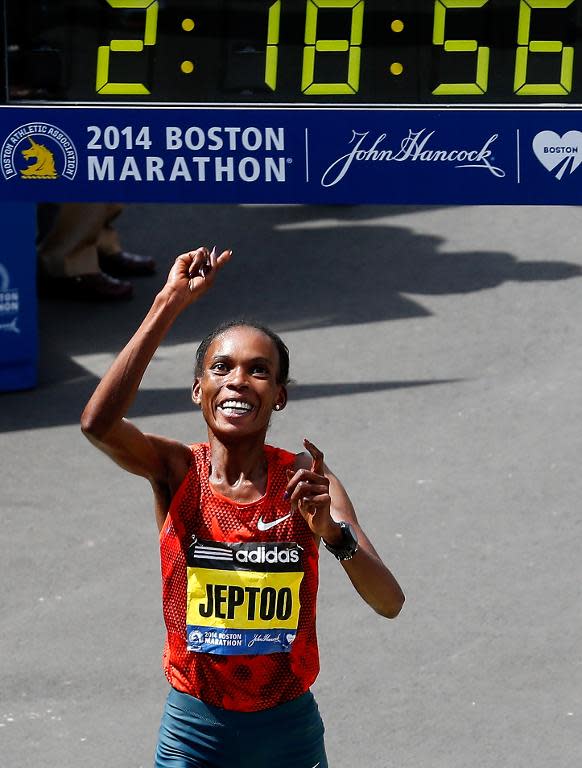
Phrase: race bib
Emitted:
{"points": [[243, 598]]}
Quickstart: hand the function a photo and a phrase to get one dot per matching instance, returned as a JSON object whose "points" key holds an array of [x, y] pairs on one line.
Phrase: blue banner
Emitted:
{"points": [[291, 155], [18, 311]]}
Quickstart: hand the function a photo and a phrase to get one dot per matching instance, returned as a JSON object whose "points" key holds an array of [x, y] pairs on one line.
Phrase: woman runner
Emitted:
{"points": [[240, 527]]}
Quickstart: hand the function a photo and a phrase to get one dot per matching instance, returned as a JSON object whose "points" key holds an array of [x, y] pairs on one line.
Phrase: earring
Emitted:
{"points": [[277, 407]]}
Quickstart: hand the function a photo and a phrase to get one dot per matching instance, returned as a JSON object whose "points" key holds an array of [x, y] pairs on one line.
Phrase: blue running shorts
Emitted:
{"points": [[197, 735]]}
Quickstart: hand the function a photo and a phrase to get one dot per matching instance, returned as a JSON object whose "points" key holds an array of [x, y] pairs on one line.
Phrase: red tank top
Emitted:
{"points": [[239, 592]]}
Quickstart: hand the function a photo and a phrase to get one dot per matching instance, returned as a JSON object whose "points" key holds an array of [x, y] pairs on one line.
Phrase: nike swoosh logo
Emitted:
{"points": [[262, 526]]}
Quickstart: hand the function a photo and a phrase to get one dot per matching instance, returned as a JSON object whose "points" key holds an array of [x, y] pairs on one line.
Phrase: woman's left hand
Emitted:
{"points": [[308, 490]]}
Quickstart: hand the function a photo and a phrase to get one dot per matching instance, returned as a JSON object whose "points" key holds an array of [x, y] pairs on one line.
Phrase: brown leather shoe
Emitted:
{"points": [[91, 287], [124, 264]]}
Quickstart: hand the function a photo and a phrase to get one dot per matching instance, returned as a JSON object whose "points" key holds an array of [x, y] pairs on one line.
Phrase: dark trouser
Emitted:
{"points": [[197, 735]]}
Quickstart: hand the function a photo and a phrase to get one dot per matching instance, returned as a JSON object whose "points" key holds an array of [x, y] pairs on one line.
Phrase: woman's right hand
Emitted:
{"points": [[194, 272]]}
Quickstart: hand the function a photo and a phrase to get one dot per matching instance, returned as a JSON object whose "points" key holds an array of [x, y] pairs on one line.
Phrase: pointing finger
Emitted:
{"points": [[317, 457], [223, 258]]}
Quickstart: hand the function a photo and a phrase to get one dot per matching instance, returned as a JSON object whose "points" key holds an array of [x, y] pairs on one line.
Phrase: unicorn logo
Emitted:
{"points": [[44, 165], [38, 151]]}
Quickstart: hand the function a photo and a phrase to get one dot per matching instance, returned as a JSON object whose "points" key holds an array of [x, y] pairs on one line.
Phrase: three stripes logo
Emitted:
{"points": [[210, 551]]}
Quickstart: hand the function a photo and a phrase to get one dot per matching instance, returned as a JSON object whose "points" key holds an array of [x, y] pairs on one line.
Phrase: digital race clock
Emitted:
{"points": [[347, 52]]}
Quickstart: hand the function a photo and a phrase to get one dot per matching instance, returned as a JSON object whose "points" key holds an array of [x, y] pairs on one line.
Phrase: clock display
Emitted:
{"points": [[346, 52]]}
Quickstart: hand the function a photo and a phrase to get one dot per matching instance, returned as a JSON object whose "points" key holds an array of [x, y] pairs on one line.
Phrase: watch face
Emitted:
{"points": [[348, 52], [349, 545]]}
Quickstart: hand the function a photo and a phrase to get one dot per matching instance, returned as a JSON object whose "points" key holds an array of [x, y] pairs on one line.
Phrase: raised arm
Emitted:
{"points": [[323, 501], [103, 420]]}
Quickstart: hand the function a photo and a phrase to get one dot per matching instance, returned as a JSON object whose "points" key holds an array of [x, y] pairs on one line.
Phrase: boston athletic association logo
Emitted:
{"points": [[39, 151]]}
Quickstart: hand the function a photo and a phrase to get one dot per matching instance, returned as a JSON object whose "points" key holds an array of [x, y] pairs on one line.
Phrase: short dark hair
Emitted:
{"points": [[283, 372]]}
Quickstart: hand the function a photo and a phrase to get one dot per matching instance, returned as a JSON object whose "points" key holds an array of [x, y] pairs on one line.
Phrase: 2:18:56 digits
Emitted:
{"points": [[476, 55]]}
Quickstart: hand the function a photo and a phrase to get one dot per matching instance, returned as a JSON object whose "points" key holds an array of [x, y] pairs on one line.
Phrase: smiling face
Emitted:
{"points": [[237, 389]]}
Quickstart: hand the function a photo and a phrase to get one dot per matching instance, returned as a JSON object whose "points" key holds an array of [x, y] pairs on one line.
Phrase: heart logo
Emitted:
{"points": [[556, 153]]}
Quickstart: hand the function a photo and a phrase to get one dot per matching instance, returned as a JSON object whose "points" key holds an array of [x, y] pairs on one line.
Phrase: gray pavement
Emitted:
{"points": [[436, 358]]}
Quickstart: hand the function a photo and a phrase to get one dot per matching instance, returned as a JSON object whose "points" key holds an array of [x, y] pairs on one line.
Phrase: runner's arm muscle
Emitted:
{"points": [[103, 420], [366, 570]]}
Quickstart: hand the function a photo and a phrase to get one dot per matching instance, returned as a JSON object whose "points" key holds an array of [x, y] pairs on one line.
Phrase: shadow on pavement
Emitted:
{"points": [[294, 267]]}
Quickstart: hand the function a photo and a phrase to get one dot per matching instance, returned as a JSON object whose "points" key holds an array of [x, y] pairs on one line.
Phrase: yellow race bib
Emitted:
{"points": [[243, 598]]}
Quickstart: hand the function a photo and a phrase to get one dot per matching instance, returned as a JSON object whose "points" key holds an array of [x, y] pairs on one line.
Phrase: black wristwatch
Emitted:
{"points": [[349, 546]]}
